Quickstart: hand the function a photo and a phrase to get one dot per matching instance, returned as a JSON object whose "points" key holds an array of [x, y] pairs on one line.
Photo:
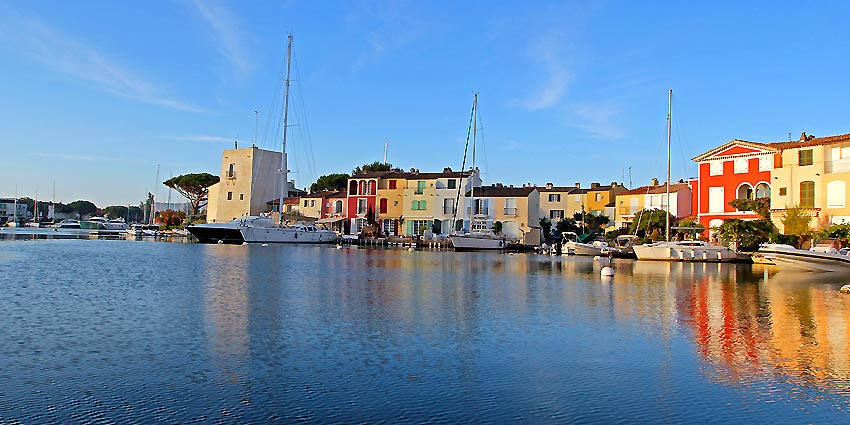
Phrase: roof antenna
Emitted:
{"points": [[789, 137]]}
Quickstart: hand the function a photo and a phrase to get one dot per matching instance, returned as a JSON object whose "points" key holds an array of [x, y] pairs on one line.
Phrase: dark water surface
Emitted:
{"points": [[144, 332]]}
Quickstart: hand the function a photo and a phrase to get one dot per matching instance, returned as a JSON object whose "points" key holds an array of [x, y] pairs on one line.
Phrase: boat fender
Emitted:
{"points": [[220, 242], [845, 289], [607, 271], [597, 258]]}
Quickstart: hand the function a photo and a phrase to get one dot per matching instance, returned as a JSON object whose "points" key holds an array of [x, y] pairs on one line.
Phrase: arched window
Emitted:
{"points": [[372, 186], [362, 187], [352, 188], [745, 191], [762, 190]]}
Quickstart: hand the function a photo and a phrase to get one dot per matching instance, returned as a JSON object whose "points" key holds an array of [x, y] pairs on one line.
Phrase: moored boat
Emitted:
{"points": [[228, 232], [818, 259], [684, 251]]}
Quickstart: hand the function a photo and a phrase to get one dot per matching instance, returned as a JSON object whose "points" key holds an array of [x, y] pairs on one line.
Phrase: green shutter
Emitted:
{"points": [[422, 205]]}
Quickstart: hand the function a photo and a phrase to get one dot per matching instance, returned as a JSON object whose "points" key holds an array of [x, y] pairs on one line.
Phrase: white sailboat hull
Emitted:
{"points": [[472, 242], [287, 235], [788, 257], [685, 251]]}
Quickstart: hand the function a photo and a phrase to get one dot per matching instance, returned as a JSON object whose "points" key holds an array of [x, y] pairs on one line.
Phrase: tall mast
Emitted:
{"points": [[283, 183], [474, 133], [669, 121]]}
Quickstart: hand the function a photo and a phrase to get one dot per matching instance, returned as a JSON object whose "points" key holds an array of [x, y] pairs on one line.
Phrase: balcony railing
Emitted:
{"points": [[448, 211], [510, 211], [838, 166]]}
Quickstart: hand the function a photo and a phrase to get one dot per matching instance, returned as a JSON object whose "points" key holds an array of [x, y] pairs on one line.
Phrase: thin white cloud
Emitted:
{"points": [[203, 138], [596, 119], [226, 32], [389, 25], [545, 53], [61, 52]]}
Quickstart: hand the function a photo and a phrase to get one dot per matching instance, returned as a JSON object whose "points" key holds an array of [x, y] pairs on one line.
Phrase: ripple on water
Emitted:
{"points": [[115, 331]]}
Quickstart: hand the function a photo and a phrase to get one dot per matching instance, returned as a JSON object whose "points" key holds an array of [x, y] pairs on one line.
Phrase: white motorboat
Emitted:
{"points": [[297, 233], [67, 224], [479, 240], [571, 245], [103, 223], [684, 251], [821, 258]]}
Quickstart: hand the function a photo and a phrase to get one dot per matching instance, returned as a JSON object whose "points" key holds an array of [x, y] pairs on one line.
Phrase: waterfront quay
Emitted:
{"points": [[140, 332]]}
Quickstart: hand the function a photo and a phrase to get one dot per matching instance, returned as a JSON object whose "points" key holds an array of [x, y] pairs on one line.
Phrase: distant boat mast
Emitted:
{"points": [[283, 176]]}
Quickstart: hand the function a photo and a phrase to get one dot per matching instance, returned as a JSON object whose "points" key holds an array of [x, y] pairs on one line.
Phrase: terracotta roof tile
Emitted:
{"points": [[502, 191], [652, 190]]}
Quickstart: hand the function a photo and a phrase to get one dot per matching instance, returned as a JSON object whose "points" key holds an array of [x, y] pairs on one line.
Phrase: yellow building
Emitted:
{"points": [[566, 201], [430, 200], [391, 202], [812, 173], [249, 180], [517, 208]]}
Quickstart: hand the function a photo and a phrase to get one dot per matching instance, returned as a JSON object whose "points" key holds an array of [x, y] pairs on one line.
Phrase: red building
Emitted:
{"points": [[362, 198], [735, 170]]}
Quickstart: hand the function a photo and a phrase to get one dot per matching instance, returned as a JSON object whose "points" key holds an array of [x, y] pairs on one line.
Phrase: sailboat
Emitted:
{"points": [[680, 250], [479, 237], [298, 233]]}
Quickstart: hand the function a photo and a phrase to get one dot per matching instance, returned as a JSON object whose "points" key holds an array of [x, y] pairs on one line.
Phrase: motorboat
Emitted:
{"points": [[296, 233], [821, 258], [67, 224], [478, 240], [228, 232], [103, 223], [572, 245], [622, 247], [685, 251]]}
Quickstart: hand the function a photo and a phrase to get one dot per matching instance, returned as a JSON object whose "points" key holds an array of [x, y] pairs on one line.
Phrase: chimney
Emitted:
{"points": [[578, 185], [447, 170], [549, 185], [613, 184], [511, 186], [594, 185], [654, 181], [803, 136]]}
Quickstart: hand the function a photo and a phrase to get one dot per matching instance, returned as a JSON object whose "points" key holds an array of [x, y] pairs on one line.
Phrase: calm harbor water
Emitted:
{"points": [[144, 332]]}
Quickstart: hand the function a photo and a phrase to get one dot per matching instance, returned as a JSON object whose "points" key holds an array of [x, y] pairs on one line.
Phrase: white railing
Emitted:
{"points": [[838, 166]]}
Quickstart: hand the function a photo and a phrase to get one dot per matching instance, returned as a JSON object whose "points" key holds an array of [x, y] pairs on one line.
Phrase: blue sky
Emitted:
{"points": [[95, 95]]}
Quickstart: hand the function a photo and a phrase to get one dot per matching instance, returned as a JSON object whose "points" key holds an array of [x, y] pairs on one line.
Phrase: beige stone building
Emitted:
{"points": [[812, 173], [517, 208], [249, 180]]}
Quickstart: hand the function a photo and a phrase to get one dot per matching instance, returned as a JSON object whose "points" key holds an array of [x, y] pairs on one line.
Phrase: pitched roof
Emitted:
{"points": [[568, 189], [502, 191], [322, 194], [652, 190], [434, 176], [372, 174], [340, 194], [811, 141], [731, 145]]}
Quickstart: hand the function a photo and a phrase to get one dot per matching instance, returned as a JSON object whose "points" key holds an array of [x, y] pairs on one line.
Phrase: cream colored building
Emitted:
{"points": [[654, 196], [249, 180], [812, 173], [517, 208], [430, 199]]}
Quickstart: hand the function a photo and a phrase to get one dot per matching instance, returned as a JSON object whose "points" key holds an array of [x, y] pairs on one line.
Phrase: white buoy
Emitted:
{"points": [[845, 289], [220, 242], [265, 244], [244, 243], [607, 271], [339, 247], [411, 249], [597, 258]]}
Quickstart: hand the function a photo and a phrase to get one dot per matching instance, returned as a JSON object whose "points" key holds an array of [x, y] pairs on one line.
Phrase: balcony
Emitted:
{"points": [[448, 211], [837, 166], [510, 211]]}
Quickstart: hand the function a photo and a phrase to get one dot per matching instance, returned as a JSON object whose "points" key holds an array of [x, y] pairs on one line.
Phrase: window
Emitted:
{"points": [[448, 206], [741, 165], [510, 206], [481, 207], [554, 197], [452, 184], [716, 202], [556, 214], [392, 184], [338, 208], [359, 224], [231, 171], [388, 226], [598, 197], [762, 190], [382, 208], [229, 196], [807, 194], [835, 194], [783, 191], [241, 196], [578, 198], [361, 207], [420, 187], [418, 205], [312, 203], [633, 206], [745, 191], [373, 185], [305, 203], [806, 158], [715, 168], [418, 227]]}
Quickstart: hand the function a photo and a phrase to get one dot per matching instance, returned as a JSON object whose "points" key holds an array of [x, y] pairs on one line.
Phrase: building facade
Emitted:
{"points": [[249, 180], [516, 208], [631, 202]]}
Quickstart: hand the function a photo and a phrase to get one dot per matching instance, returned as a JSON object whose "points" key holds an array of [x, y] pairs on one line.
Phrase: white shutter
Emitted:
{"points": [[716, 202]]}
